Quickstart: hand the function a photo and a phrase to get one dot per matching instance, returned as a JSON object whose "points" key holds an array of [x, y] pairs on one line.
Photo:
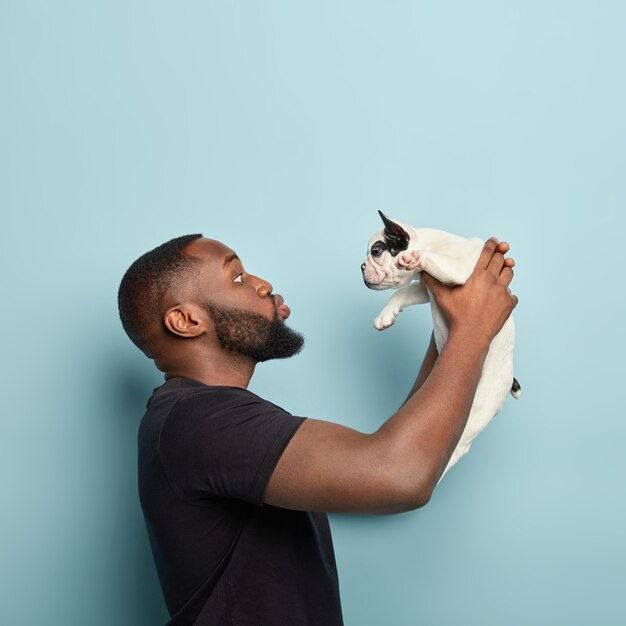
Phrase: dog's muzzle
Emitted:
{"points": [[370, 276]]}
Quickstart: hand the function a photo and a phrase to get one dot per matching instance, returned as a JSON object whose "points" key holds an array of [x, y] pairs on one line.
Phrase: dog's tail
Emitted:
{"points": [[516, 389]]}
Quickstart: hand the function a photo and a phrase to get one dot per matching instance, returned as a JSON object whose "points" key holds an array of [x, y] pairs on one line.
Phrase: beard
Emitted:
{"points": [[252, 334]]}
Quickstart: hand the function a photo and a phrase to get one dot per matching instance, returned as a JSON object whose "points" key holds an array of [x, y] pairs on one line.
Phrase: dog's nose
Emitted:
{"points": [[362, 266]]}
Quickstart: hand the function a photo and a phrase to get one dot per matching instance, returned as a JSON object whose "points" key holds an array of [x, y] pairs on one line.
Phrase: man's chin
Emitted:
{"points": [[282, 343]]}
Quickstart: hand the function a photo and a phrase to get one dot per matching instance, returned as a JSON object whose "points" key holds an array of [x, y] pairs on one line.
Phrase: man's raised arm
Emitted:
{"points": [[330, 467]]}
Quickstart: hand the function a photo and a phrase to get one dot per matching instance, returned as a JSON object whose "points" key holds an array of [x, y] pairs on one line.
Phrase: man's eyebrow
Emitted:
{"points": [[229, 259]]}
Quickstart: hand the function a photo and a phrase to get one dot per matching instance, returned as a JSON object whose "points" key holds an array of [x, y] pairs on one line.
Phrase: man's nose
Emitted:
{"points": [[264, 288]]}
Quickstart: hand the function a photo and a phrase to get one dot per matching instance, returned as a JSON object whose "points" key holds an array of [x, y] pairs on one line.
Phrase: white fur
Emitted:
{"points": [[450, 259]]}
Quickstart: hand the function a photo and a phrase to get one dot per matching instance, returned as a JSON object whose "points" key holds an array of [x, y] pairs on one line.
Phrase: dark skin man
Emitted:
{"points": [[326, 466]]}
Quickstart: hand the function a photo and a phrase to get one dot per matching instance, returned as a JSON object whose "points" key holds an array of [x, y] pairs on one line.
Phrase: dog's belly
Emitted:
{"points": [[494, 384]]}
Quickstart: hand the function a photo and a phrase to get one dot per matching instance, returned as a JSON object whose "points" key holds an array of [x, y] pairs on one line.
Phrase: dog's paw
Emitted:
{"points": [[385, 319], [408, 260]]}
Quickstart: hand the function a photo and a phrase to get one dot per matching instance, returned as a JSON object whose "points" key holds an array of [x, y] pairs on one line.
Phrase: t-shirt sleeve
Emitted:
{"points": [[224, 443]]}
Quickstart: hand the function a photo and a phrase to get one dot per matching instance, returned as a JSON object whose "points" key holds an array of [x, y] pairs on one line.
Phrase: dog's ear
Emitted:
{"points": [[395, 236]]}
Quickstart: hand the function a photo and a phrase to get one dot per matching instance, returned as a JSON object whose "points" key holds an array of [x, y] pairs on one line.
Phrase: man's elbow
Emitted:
{"points": [[424, 485], [422, 497], [411, 483], [414, 496]]}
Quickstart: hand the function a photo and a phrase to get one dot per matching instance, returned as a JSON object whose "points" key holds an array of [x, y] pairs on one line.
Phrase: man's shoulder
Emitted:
{"points": [[190, 396]]}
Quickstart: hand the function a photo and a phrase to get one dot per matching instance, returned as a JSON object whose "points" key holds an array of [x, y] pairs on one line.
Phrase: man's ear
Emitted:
{"points": [[395, 236], [185, 320]]}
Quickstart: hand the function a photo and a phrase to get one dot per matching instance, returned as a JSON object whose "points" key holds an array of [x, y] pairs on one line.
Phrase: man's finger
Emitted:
{"points": [[496, 263], [487, 252], [506, 275], [431, 282]]}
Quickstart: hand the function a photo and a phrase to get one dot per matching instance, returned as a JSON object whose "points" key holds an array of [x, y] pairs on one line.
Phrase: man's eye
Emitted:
{"points": [[236, 279]]}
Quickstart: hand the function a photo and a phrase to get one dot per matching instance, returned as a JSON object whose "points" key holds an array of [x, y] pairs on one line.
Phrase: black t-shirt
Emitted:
{"points": [[206, 454]]}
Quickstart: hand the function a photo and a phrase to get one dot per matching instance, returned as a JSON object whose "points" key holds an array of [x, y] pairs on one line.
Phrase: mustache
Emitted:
{"points": [[273, 297]]}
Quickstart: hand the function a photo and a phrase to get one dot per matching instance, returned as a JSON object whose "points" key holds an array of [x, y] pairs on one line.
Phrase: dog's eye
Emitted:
{"points": [[377, 249]]}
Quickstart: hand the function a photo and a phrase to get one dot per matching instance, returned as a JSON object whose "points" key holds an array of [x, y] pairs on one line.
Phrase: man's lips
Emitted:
{"points": [[282, 307]]}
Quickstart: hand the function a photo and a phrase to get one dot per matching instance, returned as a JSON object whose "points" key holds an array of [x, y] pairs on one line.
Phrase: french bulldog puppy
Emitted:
{"points": [[396, 255]]}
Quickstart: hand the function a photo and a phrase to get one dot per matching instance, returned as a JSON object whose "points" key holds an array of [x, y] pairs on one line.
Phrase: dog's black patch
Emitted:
{"points": [[396, 238], [378, 248]]}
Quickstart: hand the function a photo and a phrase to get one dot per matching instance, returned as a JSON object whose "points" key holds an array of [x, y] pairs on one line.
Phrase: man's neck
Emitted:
{"points": [[229, 372]]}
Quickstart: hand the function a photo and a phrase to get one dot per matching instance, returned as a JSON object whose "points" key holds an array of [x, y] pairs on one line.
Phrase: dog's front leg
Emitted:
{"points": [[413, 293], [448, 269]]}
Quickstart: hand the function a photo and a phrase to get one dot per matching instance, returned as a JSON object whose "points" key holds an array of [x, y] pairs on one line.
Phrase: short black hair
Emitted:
{"points": [[145, 283]]}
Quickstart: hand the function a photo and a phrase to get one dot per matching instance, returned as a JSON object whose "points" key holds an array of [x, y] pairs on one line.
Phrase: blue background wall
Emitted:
{"points": [[280, 128]]}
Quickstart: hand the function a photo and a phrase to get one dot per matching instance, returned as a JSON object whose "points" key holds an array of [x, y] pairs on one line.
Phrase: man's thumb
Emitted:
{"points": [[434, 286]]}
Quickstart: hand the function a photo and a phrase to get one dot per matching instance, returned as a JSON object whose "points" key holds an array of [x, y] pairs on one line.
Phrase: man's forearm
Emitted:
{"points": [[425, 369], [422, 434]]}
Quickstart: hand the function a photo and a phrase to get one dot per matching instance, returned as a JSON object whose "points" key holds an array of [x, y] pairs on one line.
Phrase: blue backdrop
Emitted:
{"points": [[280, 128]]}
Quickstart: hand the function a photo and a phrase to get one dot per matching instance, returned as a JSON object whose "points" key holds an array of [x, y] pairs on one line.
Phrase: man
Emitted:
{"points": [[234, 489]]}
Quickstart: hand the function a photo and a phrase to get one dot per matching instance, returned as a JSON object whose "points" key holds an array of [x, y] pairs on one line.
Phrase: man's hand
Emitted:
{"points": [[482, 305]]}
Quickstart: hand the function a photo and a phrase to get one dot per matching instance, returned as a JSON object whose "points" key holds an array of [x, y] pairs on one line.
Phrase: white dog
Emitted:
{"points": [[395, 257]]}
